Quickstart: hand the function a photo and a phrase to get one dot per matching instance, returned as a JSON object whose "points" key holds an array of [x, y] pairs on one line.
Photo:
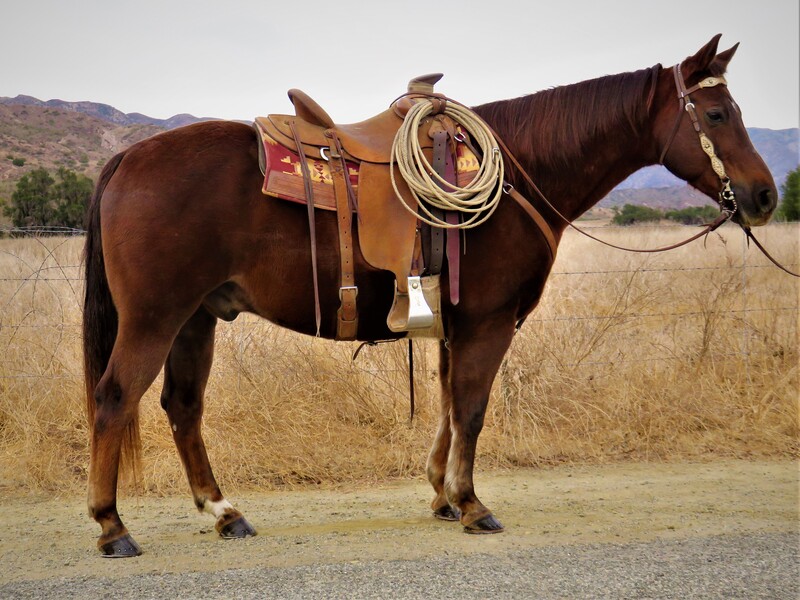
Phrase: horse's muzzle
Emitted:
{"points": [[756, 204]]}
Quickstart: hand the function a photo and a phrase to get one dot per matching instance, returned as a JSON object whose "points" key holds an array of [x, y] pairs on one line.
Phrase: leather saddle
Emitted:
{"points": [[301, 155]]}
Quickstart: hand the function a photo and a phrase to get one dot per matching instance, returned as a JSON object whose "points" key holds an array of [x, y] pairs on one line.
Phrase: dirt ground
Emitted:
{"points": [[49, 537]]}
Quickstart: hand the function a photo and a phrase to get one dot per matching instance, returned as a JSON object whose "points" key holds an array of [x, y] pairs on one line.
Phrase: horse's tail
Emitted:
{"points": [[100, 318]]}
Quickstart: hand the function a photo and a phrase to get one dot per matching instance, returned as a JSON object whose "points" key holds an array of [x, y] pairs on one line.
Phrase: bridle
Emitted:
{"points": [[687, 106], [726, 193]]}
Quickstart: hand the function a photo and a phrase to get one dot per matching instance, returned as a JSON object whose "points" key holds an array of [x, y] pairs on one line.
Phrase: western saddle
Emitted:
{"points": [[308, 158]]}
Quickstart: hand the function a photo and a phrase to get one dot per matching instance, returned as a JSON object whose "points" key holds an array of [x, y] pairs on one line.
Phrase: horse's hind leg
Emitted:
{"points": [[134, 363], [185, 376]]}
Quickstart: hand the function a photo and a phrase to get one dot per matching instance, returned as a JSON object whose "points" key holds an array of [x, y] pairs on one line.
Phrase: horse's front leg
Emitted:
{"points": [[437, 459], [476, 352]]}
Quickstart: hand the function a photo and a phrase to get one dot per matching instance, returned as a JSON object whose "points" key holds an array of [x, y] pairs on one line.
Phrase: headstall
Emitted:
{"points": [[726, 193]]}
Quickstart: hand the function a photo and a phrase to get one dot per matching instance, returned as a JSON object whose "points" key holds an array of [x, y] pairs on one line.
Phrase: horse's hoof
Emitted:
{"points": [[447, 513], [123, 547], [487, 524], [236, 529]]}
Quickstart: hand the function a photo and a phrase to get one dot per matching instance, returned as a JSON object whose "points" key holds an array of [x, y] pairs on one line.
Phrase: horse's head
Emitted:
{"points": [[701, 138]]}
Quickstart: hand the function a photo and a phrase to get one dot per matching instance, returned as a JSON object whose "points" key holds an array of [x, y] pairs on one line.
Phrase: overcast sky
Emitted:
{"points": [[236, 58]]}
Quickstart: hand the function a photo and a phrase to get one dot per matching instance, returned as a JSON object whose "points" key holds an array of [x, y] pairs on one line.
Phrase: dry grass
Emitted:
{"points": [[658, 357]]}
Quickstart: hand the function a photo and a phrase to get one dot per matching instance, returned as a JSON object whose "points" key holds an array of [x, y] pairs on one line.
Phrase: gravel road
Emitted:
{"points": [[727, 529]]}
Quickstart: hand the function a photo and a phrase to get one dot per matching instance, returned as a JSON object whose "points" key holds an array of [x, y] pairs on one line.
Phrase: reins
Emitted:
{"points": [[750, 236], [477, 199]]}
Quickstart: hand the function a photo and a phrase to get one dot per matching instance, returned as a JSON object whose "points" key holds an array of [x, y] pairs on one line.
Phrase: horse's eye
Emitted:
{"points": [[715, 116]]}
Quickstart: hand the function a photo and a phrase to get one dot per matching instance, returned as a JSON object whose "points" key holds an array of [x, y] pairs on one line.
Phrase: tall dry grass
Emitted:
{"points": [[679, 355]]}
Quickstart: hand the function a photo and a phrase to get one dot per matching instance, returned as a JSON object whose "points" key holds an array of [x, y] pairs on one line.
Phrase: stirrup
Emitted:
{"points": [[410, 311]]}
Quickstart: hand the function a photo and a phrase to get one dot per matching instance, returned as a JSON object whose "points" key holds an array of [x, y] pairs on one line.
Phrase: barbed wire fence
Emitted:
{"points": [[41, 291]]}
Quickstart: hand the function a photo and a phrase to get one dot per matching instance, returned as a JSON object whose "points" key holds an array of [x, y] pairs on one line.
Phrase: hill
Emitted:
{"points": [[105, 112], [51, 138]]}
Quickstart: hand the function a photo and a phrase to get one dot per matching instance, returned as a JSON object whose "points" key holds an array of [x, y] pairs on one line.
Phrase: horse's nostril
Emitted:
{"points": [[765, 200]]}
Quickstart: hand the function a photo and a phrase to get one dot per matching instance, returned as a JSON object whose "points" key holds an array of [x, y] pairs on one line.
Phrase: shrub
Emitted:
{"points": [[693, 215], [635, 213]]}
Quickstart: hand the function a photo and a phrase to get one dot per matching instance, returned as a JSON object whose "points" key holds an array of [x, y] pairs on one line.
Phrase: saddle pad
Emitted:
{"points": [[283, 175]]}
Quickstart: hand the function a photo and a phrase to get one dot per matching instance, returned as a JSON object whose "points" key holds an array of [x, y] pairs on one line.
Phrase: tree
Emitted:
{"points": [[635, 213], [789, 209], [40, 201], [71, 198], [30, 203]]}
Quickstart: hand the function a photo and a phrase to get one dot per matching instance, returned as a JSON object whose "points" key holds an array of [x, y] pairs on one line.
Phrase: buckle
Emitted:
{"points": [[348, 288]]}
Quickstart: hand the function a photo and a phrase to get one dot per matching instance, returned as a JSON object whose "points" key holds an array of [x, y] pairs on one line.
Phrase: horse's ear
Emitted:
{"points": [[702, 59], [720, 64]]}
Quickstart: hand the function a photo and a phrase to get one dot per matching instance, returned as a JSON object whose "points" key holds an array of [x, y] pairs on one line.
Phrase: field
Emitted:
{"points": [[682, 355]]}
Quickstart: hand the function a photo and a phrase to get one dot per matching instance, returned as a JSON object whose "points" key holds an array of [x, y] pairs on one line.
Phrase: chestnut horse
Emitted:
{"points": [[180, 235]]}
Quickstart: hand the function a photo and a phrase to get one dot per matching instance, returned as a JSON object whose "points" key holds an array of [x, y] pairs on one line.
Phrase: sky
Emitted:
{"points": [[236, 59]]}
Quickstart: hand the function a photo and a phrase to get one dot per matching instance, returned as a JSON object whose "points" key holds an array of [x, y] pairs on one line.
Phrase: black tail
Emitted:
{"points": [[100, 315]]}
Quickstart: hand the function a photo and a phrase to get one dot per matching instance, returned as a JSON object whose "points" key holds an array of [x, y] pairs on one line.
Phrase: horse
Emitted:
{"points": [[179, 235]]}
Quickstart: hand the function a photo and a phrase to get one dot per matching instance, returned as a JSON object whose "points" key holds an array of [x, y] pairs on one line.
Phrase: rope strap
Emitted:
{"points": [[479, 198]]}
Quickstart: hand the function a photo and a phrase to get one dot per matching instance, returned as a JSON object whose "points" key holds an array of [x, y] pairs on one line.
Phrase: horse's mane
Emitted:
{"points": [[554, 126]]}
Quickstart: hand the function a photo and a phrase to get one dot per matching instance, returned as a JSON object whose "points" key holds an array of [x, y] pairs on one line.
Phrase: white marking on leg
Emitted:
{"points": [[217, 508]]}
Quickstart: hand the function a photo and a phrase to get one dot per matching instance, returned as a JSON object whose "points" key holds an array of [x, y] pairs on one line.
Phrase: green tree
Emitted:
{"points": [[635, 213], [30, 204], [789, 209], [71, 198], [40, 201]]}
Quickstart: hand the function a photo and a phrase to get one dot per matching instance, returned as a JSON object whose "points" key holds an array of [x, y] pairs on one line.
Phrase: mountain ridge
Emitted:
{"points": [[105, 112]]}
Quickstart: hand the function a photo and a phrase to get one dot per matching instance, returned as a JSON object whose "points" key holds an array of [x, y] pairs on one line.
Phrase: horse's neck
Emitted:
{"points": [[577, 169], [590, 175]]}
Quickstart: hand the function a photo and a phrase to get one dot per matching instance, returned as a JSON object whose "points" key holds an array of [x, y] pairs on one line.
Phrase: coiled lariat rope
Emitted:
{"points": [[479, 198]]}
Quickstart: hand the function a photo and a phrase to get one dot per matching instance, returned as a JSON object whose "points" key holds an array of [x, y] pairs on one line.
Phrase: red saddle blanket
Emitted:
{"points": [[283, 175]]}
